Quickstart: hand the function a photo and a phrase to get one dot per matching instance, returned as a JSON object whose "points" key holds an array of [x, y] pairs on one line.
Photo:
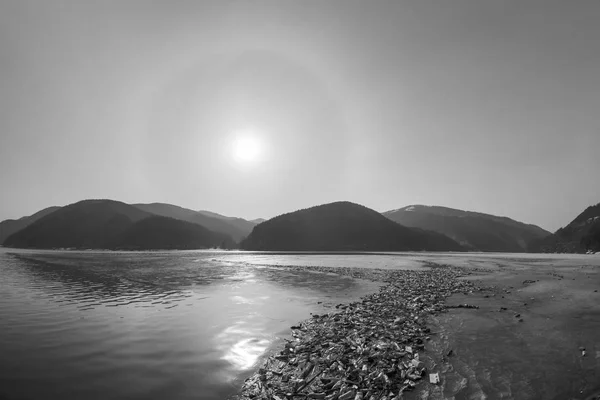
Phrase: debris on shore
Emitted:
{"points": [[365, 350], [464, 306]]}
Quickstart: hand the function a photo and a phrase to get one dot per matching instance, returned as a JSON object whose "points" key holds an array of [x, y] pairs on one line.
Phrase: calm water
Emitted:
{"points": [[176, 325], [183, 325]]}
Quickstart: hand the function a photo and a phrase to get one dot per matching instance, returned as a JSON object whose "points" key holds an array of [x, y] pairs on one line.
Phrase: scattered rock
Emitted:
{"points": [[367, 349]]}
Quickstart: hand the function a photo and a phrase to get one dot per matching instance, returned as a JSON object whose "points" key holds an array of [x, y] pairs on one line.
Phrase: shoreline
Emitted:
{"points": [[372, 348]]}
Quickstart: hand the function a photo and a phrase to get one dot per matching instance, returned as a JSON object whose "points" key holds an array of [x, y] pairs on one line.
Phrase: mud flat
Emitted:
{"points": [[489, 326], [535, 335], [369, 349]]}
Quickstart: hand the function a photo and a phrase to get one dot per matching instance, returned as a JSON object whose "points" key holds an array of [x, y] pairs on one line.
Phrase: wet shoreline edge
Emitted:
{"points": [[367, 349]]}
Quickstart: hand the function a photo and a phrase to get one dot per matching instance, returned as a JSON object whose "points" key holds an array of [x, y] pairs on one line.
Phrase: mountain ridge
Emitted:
{"points": [[242, 225], [108, 224], [581, 235], [491, 232], [10, 226], [212, 221], [341, 226], [474, 230]]}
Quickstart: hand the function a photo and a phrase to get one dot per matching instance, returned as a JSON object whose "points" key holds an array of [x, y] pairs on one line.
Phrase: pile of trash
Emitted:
{"points": [[366, 350]]}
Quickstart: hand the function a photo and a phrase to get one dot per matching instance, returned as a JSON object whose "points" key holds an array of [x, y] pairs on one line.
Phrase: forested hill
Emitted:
{"points": [[473, 230], [579, 236], [10, 226], [237, 228], [342, 226], [108, 224], [158, 232]]}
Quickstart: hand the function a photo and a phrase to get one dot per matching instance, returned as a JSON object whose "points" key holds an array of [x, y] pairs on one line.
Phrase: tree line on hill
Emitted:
{"points": [[339, 226]]}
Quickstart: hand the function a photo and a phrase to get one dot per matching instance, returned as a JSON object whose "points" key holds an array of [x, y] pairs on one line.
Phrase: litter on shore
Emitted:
{"points": [[365, 350]]}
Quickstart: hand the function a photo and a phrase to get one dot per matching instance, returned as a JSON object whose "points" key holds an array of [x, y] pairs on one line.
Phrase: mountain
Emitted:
{"points": [[257, 221], [233, 227], [473, 230], [244, 226], [101, 224], [579, 236], [341, 226], [10, 226], [86, 224], [158, 232]]}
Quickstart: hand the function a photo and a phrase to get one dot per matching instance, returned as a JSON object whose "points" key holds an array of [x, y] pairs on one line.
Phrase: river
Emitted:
{"points": [[195, 324], [147, 325]]}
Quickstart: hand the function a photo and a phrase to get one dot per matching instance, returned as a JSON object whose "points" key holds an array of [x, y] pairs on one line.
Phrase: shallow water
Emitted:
{"points": [[175, 325], [183, 325]]}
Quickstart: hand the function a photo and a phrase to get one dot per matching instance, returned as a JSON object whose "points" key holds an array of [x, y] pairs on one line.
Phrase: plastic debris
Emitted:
{"points": [[434, 378], [368, 349]]}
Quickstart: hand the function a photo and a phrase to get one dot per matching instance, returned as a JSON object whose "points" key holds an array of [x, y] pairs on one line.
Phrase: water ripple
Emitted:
{"points": [[149, 325]]}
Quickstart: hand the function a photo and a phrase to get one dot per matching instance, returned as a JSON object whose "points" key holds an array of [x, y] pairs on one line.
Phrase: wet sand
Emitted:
{"points": [[534, 335]]}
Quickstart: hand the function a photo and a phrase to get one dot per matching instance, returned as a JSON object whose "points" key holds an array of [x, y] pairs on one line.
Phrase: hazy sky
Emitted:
{"points": [[490, 106]]}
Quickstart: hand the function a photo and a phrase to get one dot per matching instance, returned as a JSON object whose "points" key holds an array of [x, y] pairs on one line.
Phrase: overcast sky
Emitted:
{"points": [[490, 106]]}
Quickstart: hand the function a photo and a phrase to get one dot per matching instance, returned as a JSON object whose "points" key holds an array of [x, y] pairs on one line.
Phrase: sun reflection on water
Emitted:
{"points": [[241, 300], [246, 352], [242, 347]]}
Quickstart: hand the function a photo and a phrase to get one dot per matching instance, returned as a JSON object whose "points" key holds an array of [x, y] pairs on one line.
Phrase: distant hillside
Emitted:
{"points": [[244, 226], [167, 233], [258, 221], [341, 226], [102, 224], [86, 224], [233, 227], [579, 236], [473, 230], [10, 226]]}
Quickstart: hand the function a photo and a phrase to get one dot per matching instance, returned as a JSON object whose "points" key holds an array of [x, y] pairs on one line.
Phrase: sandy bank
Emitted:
{"points": [[533, 335]]}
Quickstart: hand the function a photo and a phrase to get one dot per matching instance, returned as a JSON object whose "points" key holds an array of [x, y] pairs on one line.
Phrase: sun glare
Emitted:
{"points": [[246, 147]]}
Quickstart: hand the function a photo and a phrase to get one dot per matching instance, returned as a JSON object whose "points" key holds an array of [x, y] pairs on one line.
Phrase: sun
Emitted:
{"points": [[246, 147]]}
